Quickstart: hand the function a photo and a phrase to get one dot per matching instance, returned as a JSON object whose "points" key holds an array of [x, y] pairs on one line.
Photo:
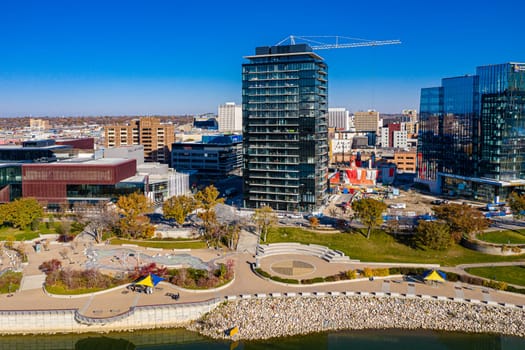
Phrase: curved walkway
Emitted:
{"points": [[119, 301]]}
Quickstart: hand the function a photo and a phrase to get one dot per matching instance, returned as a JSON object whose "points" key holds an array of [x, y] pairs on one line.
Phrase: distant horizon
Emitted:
{"points": [[127, 57], [152, 115]]}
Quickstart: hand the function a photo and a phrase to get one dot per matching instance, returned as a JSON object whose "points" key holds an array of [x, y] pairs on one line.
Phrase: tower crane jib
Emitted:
{"points": [[335, 42]]}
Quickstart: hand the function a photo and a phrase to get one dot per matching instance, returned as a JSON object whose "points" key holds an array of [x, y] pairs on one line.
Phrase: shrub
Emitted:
{"points": [[471, 280], [351, 274], [262, 273], [515, 290], [406, 270], [65, 238], [50, 266], [381, 272], [196, 274], [368, 272], [284, 280], [145, 270], [68, 280], [313, 280], [10, 281], [221, 271], [499, 285], [332, 278], [452, 277]]}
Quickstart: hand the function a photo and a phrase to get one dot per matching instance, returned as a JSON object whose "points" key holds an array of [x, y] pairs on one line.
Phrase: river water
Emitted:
{"points": [[182, 339]]}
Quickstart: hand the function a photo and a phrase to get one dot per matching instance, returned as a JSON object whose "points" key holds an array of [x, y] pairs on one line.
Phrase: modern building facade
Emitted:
{"points": [[10, 182], [394, 135], [405, 161], [471, 134], [156, 137], [214, 157], [284, 94], [367, 121], [63, 182], [339, 118], [229, 117]]}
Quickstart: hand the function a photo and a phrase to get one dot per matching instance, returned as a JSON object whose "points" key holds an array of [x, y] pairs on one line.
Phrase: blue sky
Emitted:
{"points": [[184, 57]]}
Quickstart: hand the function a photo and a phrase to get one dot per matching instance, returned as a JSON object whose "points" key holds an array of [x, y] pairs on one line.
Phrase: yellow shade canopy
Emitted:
{"points": [[434, 276], [146, 281]]}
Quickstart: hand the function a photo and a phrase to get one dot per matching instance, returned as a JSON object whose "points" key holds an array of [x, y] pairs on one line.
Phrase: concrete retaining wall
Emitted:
{"points": [[63, 321], [494, 249], [164, 316]]}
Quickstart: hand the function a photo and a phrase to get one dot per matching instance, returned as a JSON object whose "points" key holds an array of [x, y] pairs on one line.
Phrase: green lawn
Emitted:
{"points": [[503, 237], [509, 274], [61, 290], [20, 235], [27, 234], [162, 244], [383, 248]]}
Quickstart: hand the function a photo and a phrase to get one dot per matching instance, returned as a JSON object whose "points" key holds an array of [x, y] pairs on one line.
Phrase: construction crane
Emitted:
{"points": [[336, 42]]}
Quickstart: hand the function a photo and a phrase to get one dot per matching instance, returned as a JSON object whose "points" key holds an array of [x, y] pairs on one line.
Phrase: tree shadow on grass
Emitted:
{"points": [[407, 239]]}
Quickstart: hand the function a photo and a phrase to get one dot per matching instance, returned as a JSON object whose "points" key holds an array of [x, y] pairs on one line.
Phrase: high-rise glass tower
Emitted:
{"points": [[284, 103], [472, 134]]}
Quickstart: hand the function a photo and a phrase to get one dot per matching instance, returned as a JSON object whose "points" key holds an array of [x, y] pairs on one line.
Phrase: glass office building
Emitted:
{"points": [[429, 145], [479, 149], [284, 94]]}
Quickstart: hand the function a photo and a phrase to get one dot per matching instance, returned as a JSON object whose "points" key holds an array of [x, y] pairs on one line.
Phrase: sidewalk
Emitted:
{"points": [[246, 282]]}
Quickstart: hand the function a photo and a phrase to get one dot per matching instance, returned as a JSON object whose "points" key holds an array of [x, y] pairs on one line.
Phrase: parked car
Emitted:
{"points": [[398, 206]]}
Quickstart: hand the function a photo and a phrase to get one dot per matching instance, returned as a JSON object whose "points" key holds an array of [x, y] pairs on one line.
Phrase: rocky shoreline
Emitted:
{"points": [[264, 318]]}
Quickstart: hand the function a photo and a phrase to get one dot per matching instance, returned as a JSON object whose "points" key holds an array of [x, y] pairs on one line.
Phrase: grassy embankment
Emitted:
{"points": [[503, 237], [509, 274], [164, 244], [382, 247]]}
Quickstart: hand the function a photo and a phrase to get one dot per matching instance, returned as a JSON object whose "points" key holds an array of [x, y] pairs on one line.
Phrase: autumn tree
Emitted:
{"points": [[433, 234], [264, 217], [314, 222], [370, 212], [21, 213], [206, 200], [178, 208], [517, 204], [461, 219], [133, 221]]}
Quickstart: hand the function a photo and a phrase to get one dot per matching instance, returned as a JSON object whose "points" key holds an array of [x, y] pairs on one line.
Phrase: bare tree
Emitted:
{"points": [[100, 218], [265, 218]]}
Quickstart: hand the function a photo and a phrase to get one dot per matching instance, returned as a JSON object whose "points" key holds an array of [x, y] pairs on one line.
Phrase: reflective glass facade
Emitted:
{"points": [[503, 136], [285, 128], [479, 148], [10, 182], [429, 146], [460, 104]]}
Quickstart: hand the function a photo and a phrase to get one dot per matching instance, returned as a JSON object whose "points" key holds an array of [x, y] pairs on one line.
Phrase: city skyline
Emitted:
{"points": [[128, 57]]}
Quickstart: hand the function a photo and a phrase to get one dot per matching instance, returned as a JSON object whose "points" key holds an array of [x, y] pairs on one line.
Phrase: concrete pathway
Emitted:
{"points": [[32, 282], [247, 242], [246, 282]]}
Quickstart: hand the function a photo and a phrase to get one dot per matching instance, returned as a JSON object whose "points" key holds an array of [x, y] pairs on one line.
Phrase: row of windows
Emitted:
{"points": [[278, 67], [67, 175]]}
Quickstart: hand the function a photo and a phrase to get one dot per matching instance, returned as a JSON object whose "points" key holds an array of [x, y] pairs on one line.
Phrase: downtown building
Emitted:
{"points": [[229, 117], [156, 137], [285, 135], [472, 134]]}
